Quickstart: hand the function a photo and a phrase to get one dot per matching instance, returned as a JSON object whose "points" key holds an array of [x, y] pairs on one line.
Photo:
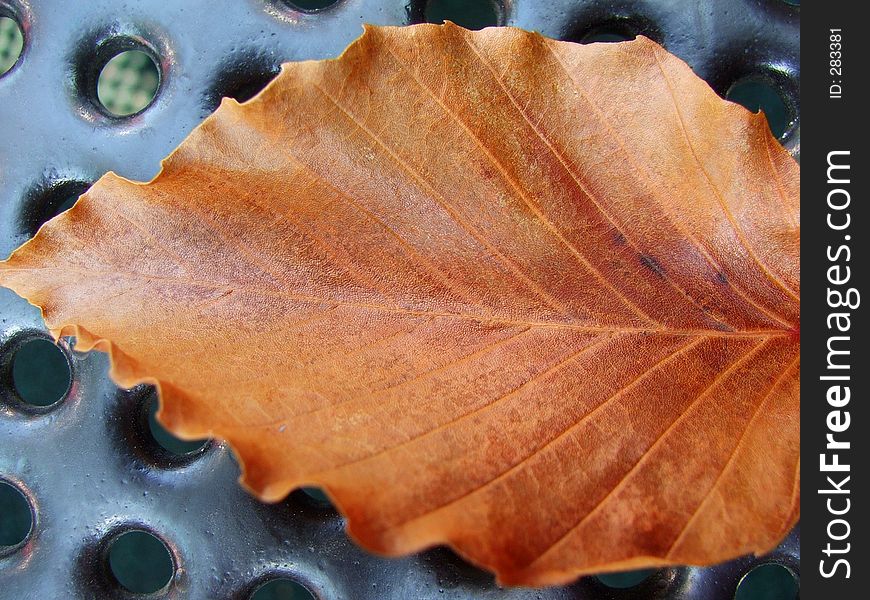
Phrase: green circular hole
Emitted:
{"points": [[128, 83], [282, 589], [11, 44], [16, 518], [166, 440], [471, 14], [40, 372], [625, 579], [310, 5], [768, 582], [757, 95], [140, 562]]}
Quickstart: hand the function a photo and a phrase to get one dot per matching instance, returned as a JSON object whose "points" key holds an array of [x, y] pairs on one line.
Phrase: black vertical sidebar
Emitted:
{"points": [[835, 420]]}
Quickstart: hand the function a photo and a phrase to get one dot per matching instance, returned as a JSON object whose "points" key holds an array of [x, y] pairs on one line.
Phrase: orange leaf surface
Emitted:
{"points": [[536, 300]]}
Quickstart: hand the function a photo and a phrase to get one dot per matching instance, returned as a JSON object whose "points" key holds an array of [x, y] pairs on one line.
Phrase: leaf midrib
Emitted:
{"points": [[146, 278]]}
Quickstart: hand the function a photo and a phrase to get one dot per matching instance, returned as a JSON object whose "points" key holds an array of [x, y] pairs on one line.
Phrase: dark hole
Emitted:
{"points": [[11, 44], [64, 198], [625, 579], [65, 205], [757, 95], [310, 5], [768, 582], [16, 519], [49, 200], [166, 440], [619, 28], [128, 83], [316, 495], [242, 83], [140, 562], [607, 35], [282, 589], [249, 89], [40, 372], [471, 14]]}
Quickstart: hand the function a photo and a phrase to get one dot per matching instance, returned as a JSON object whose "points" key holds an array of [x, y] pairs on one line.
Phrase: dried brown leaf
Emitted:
{"points": [[536, 300]]}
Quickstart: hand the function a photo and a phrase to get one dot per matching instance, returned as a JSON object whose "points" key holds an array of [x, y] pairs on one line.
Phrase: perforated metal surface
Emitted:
{"points": [[88, 465]]}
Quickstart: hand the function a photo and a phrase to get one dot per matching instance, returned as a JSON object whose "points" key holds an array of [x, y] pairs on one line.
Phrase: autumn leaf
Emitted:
{"points": [[535, 300]]}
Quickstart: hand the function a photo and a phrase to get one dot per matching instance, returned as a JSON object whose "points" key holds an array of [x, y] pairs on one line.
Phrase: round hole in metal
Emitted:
{"points": [[282, 588], [65, 205], [249, 88], [241, 78], [127, 83], [41, 373], [47, 200], [768, 582], [140, 562], [166, 440], [605, 35], [310, 5], [625, 579], [757, 94], [16, 517], [597, 27], [316, 496], [11, 43], [471, 14]]}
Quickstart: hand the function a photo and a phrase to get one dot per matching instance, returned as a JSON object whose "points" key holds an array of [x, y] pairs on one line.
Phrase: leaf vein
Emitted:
{"points": [[743, 357], [617, 394], [539, 376], [147, 278], [527, 200], [457, 218], [574, 177], [732, 455], [727, 211], [620, 138]]}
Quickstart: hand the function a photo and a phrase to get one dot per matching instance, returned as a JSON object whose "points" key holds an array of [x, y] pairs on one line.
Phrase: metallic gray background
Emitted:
{"points": [[87, 465]]}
